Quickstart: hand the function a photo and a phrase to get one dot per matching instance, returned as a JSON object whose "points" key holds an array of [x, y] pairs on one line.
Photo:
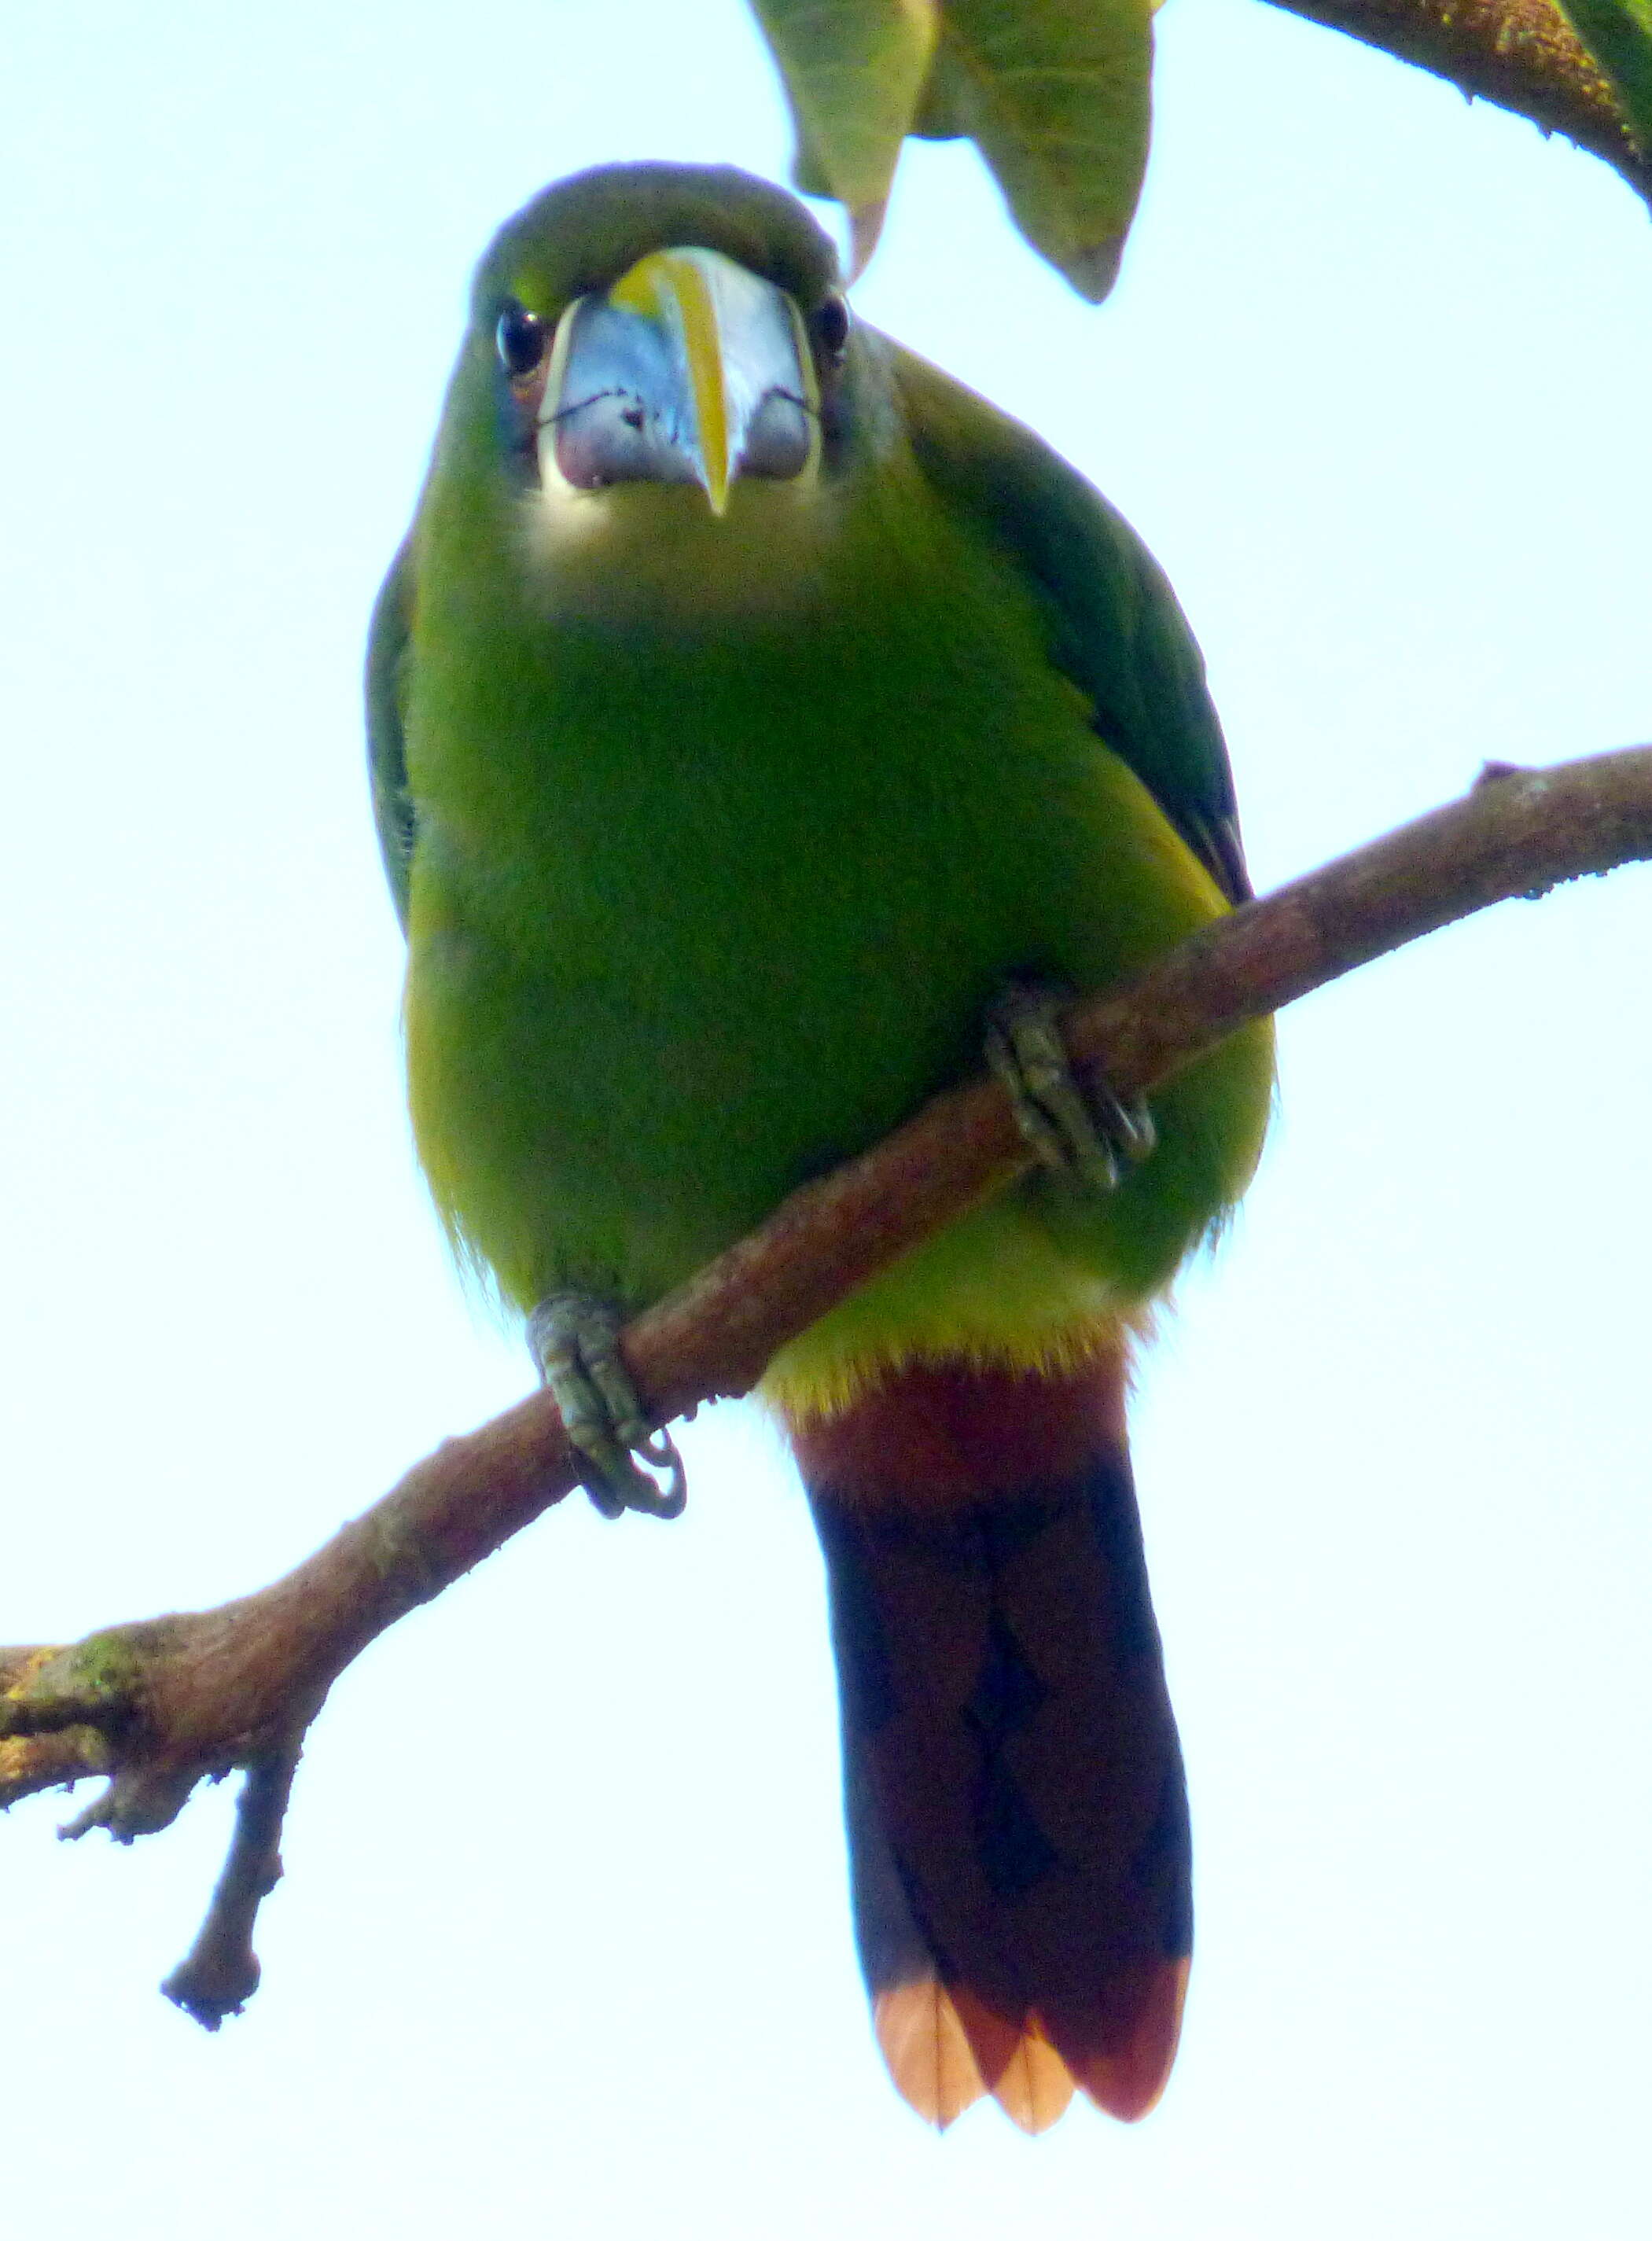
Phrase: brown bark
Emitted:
{"points": [[157, 1705], [1521, 54]]}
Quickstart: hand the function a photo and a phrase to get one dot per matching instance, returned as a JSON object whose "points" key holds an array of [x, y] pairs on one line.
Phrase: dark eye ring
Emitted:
{"points": [[520, 339], [832, 327]]}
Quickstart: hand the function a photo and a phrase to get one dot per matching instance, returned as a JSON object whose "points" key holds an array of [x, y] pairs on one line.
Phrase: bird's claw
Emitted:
{"points": [[574, 1340], [1087, 1134]]}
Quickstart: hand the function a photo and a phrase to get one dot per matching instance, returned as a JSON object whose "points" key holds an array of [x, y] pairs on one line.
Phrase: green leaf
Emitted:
{"points": [[853, 70], [1618, 33], [1056, 95]]}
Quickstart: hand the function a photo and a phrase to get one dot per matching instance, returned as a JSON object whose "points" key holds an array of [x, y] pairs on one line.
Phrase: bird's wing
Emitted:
{"points": [[1116, 629], [387, 655]]}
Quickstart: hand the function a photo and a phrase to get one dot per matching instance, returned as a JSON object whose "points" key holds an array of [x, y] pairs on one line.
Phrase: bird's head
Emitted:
{"points": [[656, 351]]}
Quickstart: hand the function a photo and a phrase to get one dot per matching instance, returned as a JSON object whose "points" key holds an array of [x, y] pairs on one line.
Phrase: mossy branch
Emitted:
{"points": [[156, 1707], [1523, 55]]}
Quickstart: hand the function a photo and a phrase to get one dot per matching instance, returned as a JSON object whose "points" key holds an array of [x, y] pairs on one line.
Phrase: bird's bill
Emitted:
{"points": [[689, 369]]}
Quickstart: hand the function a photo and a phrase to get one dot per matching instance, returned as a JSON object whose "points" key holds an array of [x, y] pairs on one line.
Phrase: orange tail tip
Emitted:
{"points": [[1025, 2074], [945, 2050], [929, 2051], [1037, 2085], [942, 2064]]}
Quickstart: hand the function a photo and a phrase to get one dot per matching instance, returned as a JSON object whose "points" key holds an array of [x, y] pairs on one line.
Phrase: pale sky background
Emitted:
{"points": [[564, 1948]]}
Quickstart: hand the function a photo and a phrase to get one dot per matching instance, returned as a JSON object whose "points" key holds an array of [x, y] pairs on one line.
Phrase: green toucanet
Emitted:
{"points": [[752, 709]]}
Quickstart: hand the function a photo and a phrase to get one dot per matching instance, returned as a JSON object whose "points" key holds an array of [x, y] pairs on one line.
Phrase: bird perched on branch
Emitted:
{"points": [[761, 724]]}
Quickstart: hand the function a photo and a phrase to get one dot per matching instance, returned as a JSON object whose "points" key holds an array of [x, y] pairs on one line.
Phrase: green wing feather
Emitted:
{"points": [[1116, 629], [388, 640]]}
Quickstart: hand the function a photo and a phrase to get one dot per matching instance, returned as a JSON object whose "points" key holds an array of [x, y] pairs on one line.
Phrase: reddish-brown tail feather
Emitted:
{"points": [[1018, 1819]]}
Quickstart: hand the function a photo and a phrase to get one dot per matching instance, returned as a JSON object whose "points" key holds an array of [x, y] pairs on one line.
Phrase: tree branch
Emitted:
{"points": [[1521, 54], [160, 1705]]}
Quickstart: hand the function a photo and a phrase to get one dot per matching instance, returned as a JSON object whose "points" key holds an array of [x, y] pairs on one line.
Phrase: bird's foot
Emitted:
{"points": [[574, 1340], [1088, 1136]]}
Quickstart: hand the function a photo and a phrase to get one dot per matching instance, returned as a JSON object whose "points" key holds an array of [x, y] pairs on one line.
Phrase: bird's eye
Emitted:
{"points": [[520, 338], [832, 327]]}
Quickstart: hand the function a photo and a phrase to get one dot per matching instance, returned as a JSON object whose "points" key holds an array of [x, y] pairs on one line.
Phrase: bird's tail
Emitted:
{"points": [[1017, 1814]]}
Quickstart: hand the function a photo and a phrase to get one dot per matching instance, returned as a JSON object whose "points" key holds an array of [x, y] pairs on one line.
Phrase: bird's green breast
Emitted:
{"points": [[714, 882]]}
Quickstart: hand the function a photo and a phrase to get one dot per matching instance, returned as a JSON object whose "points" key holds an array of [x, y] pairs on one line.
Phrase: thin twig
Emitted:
{"points": [[220, 1972]]}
